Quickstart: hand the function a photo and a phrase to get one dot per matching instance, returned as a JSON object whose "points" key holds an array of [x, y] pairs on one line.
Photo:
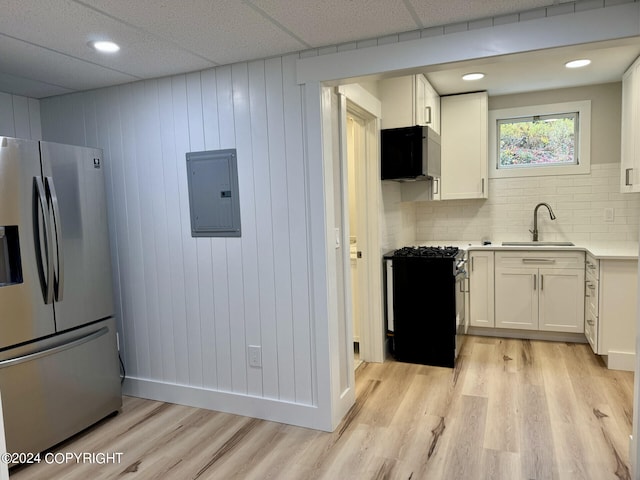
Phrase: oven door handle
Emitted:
{"points": [[460, 278]]}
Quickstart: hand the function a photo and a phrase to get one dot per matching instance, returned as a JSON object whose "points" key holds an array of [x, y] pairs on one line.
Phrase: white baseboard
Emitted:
{"points": [[621, 361], [528, 334], [308, 416]]}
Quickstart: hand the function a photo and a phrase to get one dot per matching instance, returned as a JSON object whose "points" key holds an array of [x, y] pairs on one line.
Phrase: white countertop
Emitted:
{"points": [[623, 250]]}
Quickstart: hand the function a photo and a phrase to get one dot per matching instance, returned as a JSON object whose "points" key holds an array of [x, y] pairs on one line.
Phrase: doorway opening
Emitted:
{"points": [[361, 197], [356, 182]]}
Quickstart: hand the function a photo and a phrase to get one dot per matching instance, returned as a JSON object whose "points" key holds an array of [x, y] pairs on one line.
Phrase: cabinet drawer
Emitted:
{"points": [[591, 288], [592, 267], [591, 329], [535, 259]]}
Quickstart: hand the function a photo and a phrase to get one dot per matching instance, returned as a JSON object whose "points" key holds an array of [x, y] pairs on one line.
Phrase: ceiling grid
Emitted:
{"points": [[45, 48]]}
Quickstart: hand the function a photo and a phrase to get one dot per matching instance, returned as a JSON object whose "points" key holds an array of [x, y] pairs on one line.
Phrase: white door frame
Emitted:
{"points": [[362, 104]]}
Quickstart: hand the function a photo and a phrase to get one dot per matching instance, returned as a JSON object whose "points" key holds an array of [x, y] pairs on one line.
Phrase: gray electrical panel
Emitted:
{"points": [[214, 200]]}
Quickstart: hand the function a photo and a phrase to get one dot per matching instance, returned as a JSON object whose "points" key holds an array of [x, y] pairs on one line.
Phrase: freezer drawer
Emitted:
{"points": [[55, 388]]}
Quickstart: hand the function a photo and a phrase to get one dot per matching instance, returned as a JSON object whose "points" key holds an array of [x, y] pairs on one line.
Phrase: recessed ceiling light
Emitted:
{"points": [[473, 76], [105, 46], [578, 63]]}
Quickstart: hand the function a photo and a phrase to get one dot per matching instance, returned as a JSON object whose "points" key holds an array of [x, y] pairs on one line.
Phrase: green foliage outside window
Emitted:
{"points": [[538, 141]]}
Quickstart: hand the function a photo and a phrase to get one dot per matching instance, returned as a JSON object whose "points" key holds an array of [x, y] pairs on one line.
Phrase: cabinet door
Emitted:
{"points": [[398, 105], [591, 328], [464, 146], [516, 293], [561, 303], [420, 103], [427, 104], [481, 286], [432, 107], [628, 139]]}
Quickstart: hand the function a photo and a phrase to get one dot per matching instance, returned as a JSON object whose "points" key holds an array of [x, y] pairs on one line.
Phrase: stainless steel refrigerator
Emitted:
{"points": [[59, 369]]}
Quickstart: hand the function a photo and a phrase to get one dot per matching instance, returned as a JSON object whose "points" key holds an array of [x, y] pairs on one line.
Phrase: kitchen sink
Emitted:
{"points": [[537, 244]]}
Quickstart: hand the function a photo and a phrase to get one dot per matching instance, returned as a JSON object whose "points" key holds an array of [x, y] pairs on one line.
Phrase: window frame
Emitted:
{"points": [[583, 108]]}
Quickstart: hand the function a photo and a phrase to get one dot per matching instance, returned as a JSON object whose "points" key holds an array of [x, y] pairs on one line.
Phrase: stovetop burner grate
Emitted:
{"points": [[433, 252]]}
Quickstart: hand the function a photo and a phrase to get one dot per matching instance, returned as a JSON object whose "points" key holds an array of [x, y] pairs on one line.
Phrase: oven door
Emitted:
{"points": [[460, 278]]}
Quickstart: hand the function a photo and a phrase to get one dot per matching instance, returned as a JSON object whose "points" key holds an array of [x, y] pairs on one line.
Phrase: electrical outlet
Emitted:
{"points": [[255, 356], [608, 214]]}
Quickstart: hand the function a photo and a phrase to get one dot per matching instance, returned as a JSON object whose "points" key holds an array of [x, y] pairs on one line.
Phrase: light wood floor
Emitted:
{"points": [[511, 409]]}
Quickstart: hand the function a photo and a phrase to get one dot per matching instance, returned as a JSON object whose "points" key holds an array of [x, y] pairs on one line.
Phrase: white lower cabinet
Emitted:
{"points": [[611, 310], [539, 291], [481, 288]]}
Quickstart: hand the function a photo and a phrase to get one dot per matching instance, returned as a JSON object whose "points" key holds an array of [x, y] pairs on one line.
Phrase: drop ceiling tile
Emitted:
{"points": [[34, 63], [330, 22], [66, 27], [29, 88], [222, 31]]}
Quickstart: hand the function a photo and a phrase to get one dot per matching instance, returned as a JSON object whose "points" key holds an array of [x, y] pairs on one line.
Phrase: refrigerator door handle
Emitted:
{"points": [[46, 278], [59, 279], [58, 348]]}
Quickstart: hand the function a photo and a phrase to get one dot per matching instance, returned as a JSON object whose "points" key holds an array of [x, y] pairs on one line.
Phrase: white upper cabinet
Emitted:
{"points": [[630, 146], [409, 101], [464, 123]]}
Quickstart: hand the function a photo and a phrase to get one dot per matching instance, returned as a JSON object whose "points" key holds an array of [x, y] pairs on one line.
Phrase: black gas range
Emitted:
{"points": [[425, 302]]}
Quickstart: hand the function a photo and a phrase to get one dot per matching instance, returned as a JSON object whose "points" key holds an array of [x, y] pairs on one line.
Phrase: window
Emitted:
{"points": [[540, 140]]}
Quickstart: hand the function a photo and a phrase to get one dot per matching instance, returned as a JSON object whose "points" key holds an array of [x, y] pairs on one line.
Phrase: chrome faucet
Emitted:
{"points": [[535, 219]]}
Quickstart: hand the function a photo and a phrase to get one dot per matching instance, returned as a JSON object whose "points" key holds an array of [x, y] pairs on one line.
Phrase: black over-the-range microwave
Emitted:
{"points": [[410, 153]]}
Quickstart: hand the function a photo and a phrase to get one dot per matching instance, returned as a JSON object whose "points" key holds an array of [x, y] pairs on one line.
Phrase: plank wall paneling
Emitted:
{"points": [[20, 117], [188, 307]]}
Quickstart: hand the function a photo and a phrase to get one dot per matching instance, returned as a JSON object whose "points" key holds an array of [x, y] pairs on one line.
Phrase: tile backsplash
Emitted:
{"points": [[578, 201], [398, 219]]}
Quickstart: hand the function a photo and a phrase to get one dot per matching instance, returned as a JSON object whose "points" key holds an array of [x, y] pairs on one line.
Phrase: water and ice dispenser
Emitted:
{"points": [[10, 262]]}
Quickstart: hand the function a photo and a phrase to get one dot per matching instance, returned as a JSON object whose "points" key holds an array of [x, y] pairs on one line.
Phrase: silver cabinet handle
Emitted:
{"points": [[46, 278], [483, 186], [541, 282], [436, 184], [50, 351], [427, 115], [59, 280], [627, 175], [534, 281], [538, 260]]}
